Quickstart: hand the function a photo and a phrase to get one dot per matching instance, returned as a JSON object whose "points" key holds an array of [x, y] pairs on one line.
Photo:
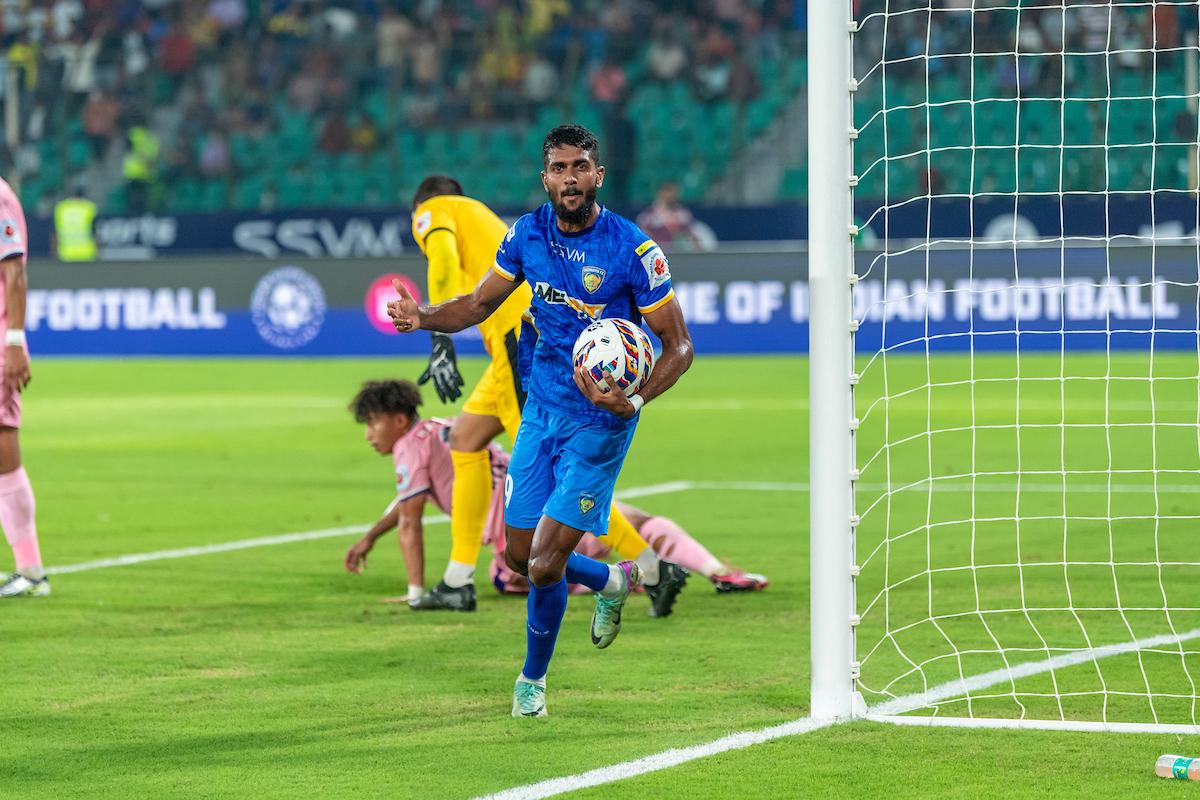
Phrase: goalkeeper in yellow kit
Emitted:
{"points": [[459, 236]]}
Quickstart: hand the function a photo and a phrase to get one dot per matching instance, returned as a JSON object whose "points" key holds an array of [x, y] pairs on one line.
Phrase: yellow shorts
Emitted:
{"points": [[496, 395]]}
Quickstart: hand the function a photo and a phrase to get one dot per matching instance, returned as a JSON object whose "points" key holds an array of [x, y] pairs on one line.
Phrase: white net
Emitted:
{"points": [[1029, 359]]}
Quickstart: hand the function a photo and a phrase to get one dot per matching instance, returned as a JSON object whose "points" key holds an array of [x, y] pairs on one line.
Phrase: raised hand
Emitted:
{"points": [[405, 312]]}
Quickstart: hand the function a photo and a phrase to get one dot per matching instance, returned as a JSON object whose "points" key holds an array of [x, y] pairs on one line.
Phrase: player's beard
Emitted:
{"points": [[578, 216]]}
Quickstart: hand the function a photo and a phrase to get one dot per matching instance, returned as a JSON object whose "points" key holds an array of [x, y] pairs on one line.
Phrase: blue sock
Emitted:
{"points": [[543, 614], [588, 571]]}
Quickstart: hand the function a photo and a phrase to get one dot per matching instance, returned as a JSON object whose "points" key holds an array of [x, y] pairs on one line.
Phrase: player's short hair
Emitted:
{"points": [[571, 136], [385, 397], [435, 186]]}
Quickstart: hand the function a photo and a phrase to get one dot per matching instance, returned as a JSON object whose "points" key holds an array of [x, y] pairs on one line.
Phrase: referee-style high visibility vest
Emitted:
{"points": [[73, 219]]}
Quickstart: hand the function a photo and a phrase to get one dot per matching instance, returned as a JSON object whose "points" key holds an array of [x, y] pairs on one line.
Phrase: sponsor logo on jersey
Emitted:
{"points": [[586, 503], [288, 308], [592, 278], [655, 264], [403, 477], [422, 222], [644, 246], [569, 253], [556, 297]]}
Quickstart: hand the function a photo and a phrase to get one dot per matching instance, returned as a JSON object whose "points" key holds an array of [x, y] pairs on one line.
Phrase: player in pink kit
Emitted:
{"points": [[16, 494], [421, 455]]}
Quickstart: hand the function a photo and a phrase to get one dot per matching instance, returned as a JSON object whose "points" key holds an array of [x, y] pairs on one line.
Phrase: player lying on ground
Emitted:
{"points": [[421, 453], [16, 493], [573, 436], [459, 237]]}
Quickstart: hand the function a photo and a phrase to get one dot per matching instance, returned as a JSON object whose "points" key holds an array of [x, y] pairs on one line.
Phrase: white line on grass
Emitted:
{"points": [[885, 712], [308, 536], [669, 487]]}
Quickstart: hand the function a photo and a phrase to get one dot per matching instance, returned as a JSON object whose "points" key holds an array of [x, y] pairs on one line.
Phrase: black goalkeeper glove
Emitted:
{"points": [[443, 369]]}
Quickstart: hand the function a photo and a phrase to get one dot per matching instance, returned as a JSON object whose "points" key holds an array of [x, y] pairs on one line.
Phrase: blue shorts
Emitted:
{"points": [[564, 468]]}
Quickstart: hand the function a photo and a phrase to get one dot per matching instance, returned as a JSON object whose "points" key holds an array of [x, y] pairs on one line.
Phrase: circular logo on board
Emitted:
{"points": [[288, 307], [379, 294]]}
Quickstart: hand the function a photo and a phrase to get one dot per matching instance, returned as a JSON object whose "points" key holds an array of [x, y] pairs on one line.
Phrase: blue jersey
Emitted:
{"points": [[612, 269]]}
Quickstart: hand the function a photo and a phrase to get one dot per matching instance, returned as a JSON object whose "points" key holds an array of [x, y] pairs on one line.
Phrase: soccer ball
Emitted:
{"points": [[615, 347]]}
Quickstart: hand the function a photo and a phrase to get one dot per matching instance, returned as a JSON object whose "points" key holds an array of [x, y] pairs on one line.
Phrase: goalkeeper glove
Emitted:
{"points": [[443, 369]]}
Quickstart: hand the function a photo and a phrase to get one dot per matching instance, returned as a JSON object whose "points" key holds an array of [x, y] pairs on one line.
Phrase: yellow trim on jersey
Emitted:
{"points": [[503, 273], [670, 296], [644, 246]]}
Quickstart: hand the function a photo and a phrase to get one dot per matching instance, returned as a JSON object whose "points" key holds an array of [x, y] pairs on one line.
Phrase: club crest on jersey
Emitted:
{"points": [[586, 503], [592, 278]]}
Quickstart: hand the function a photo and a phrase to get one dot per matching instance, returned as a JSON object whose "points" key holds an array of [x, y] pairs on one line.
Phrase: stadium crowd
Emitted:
{"points": [[197, 73]]}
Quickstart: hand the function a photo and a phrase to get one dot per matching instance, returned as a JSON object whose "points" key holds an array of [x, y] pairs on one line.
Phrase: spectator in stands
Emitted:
{"points": [[214, 154], [336, 136], [607, 83], [141, 166], [672, 225], [666, 56], [74, 216], [100, 117], [364, 136], [539, 82]]}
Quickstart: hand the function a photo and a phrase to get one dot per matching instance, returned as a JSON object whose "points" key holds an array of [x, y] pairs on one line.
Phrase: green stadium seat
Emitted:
{"points": [[248, 192]]}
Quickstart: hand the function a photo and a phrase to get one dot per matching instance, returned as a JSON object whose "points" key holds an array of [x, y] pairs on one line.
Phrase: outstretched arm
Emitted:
{"points": [[453, 315]]}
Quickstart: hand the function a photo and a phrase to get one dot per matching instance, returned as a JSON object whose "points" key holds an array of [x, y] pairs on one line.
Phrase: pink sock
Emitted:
{"points": [[16, 516], [673, 543]]}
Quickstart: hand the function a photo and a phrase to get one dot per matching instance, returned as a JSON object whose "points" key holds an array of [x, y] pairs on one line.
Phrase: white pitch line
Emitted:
{"points": [[656, 762], [885, 712], [307, 536], [669, 487]]}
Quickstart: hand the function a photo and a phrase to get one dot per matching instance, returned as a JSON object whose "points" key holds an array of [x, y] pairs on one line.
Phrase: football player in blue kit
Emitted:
{"points": [[584, 262]]}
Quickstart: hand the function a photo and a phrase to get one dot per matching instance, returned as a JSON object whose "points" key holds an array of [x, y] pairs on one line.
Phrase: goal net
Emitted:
{"points": [[1026, 362]]}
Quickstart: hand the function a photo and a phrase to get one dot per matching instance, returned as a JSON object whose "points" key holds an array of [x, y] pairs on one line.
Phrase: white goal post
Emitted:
{"points": [[1004, 362]]}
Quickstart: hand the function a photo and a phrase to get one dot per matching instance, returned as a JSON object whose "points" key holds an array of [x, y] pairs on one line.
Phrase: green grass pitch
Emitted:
{"points": [[270, 671]]}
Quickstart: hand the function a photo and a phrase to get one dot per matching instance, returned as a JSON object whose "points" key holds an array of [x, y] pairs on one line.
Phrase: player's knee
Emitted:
{"points": [[545, 571], [518, 565]]}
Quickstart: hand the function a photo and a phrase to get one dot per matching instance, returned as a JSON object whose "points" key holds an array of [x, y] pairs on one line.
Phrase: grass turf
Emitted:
{"points": [[273, 670]]}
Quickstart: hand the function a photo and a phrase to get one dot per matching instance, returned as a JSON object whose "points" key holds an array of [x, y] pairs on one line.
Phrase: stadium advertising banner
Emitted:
{"points": [[1124, 297]]}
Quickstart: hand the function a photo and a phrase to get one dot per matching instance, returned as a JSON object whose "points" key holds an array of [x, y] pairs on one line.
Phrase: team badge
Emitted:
{"points": [[592, 278], [586, 503]]}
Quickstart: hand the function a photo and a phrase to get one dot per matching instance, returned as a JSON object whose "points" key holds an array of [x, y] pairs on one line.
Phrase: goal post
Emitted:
{"points": [[1005, 378], [831, 359]]}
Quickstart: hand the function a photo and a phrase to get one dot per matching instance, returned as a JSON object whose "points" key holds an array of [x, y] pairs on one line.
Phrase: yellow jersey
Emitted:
{"points": [[460, 235]]}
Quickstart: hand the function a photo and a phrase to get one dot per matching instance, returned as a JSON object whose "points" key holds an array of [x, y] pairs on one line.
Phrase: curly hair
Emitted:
{"points": [[571, 135], [385, 397]]}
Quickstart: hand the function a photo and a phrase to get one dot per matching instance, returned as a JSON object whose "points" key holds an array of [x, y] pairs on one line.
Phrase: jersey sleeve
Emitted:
{"points": [[508, 258], [651, 277], [411, 458], [432, 216], [445, 268], [12, 241]]}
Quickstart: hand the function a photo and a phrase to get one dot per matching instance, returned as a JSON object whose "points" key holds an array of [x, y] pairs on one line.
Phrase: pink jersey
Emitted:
{"points": [[12, 236], [422, 461]]}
